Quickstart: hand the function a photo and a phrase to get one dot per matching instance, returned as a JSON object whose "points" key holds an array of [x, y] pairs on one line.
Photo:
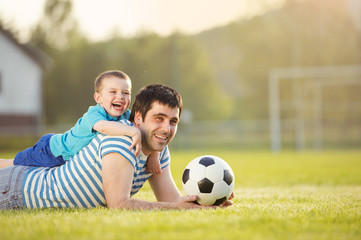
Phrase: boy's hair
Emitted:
{"points": [[155, 93], [110, 73]]}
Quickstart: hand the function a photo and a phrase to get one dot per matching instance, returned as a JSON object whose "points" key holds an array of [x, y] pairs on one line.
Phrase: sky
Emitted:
{"points": [[98, 19]]}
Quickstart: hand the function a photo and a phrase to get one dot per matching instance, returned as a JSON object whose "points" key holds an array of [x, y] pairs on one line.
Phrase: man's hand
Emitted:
{"points": [[187, 202], [228, 202]]}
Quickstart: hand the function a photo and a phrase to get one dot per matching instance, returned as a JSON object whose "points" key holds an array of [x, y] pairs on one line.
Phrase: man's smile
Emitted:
{"points": [[164, 138]]}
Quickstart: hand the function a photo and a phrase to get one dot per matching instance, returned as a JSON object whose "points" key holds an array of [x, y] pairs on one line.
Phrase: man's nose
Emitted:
{"points": [[166, 127]]}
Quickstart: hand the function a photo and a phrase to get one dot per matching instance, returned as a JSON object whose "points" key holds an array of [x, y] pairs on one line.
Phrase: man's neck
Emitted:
{"points": [[146, 152]]}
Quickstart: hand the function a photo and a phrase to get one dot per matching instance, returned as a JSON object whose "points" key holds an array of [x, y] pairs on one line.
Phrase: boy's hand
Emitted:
{"points": [[154, 169], [137, 141]]}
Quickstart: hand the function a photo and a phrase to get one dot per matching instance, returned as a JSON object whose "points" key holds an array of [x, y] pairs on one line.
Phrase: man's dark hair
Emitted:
{"points": [[155, 93]]}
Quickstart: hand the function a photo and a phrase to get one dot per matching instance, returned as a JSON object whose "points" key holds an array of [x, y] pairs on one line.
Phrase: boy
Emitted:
{"points": [[112, 95]]}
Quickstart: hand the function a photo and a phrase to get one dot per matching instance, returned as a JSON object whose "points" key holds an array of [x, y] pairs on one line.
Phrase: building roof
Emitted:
{"points": [[43, 60]]}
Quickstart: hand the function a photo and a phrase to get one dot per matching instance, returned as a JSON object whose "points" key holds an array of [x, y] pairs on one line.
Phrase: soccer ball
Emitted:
{"points": [[210, 178]]}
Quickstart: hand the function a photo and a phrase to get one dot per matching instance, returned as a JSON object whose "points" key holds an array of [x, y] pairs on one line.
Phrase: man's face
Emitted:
{"points": [[158, 127]]}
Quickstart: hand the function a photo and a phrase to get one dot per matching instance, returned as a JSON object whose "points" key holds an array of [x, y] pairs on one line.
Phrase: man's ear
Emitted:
{"points": [[137, 118]]}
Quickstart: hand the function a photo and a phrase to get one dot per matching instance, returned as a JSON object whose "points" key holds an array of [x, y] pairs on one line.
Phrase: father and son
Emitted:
{"points": [[106, 157]]}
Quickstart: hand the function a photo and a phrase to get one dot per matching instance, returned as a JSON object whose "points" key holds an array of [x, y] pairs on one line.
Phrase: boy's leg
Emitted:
{"points": [[6, 163], [39, 155]]}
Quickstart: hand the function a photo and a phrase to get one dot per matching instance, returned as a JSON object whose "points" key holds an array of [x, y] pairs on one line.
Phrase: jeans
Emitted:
{"points": [[39, 155], [11, 186]]}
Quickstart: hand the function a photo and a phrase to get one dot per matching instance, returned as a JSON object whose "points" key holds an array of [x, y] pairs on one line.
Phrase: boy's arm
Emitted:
{"points": [[118, 129]]}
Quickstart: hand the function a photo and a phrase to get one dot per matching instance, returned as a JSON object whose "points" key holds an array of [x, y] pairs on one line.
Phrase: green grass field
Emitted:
{"points": [[311, 195]]}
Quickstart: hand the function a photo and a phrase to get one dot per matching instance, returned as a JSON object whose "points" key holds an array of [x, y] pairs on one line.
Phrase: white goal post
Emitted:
{"points": [[318, 78]]}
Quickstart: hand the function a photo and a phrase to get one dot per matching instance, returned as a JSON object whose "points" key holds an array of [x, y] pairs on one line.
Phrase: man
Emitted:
{"points": [[106, 173]]}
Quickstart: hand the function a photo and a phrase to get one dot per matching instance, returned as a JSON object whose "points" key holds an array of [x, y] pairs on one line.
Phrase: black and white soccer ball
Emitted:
{"points": [[210, 178]]}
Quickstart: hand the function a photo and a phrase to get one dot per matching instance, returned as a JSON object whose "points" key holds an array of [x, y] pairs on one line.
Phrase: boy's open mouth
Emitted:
{"points": [[118, 106]]}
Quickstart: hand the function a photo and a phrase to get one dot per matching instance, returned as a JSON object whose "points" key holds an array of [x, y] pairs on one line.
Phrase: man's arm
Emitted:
{"points": [[164, 187], [117, 174]]}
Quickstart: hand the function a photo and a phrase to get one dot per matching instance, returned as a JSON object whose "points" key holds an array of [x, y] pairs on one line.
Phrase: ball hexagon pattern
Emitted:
{"points": [[210, 178]]}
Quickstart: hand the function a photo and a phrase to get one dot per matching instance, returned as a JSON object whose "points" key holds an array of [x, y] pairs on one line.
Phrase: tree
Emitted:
{"points": [[57, 26]]}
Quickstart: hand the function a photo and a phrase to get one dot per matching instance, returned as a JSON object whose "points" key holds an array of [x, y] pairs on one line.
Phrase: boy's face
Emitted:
{"points": [[158, 127], [114, 95]]}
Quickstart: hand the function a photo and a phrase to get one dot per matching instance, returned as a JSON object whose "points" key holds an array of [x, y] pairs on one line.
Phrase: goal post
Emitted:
{"points": [[317, 79]]}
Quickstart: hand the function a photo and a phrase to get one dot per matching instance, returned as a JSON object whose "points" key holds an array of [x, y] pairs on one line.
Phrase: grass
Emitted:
{"points": [[278, 196]]}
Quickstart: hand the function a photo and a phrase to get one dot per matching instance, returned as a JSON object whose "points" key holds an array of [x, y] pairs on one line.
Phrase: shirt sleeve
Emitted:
{"points": [[164, 158], [92, 116], [126, 122], [125, 115], [119, 144]]}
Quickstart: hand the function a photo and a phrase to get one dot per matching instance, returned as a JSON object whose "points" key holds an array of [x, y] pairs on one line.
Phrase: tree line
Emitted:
{"points": [[221, 73]]}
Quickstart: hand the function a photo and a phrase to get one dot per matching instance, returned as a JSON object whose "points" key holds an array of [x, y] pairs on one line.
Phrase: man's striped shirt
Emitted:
{"points": [[78, 183]]}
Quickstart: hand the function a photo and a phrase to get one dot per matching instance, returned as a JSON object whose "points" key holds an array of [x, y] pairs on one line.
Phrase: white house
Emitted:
{"points": [[21, 72]]}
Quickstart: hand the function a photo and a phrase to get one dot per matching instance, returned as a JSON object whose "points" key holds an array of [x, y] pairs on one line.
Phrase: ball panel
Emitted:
{"points": [[228, 176], [191, 188], [185, 176], [205, 185], [220, 189], [220, 201], [206, 161], [214, 173], [197, 172], [206, 199]]}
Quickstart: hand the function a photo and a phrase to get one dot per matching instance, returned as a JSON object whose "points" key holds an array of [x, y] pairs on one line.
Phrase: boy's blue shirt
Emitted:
{"points": [[70, 142]]}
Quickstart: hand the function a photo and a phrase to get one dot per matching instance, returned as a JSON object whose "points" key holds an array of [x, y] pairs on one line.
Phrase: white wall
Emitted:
{"points": [[20, 90]]}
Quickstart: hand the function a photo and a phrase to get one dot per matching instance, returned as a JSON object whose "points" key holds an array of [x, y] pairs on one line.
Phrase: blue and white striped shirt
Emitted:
{"points": [[78, 183]]}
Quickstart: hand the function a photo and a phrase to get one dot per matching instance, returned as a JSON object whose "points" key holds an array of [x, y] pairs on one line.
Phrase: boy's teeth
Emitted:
{"points": [[117, 105]]}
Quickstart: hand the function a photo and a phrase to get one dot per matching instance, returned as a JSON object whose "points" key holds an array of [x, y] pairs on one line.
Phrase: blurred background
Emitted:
{"points": [[254, 74]]}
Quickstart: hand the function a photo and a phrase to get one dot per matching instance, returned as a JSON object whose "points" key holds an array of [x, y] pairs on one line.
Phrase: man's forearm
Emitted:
{"points": [[136, 204], [186, 202]]}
